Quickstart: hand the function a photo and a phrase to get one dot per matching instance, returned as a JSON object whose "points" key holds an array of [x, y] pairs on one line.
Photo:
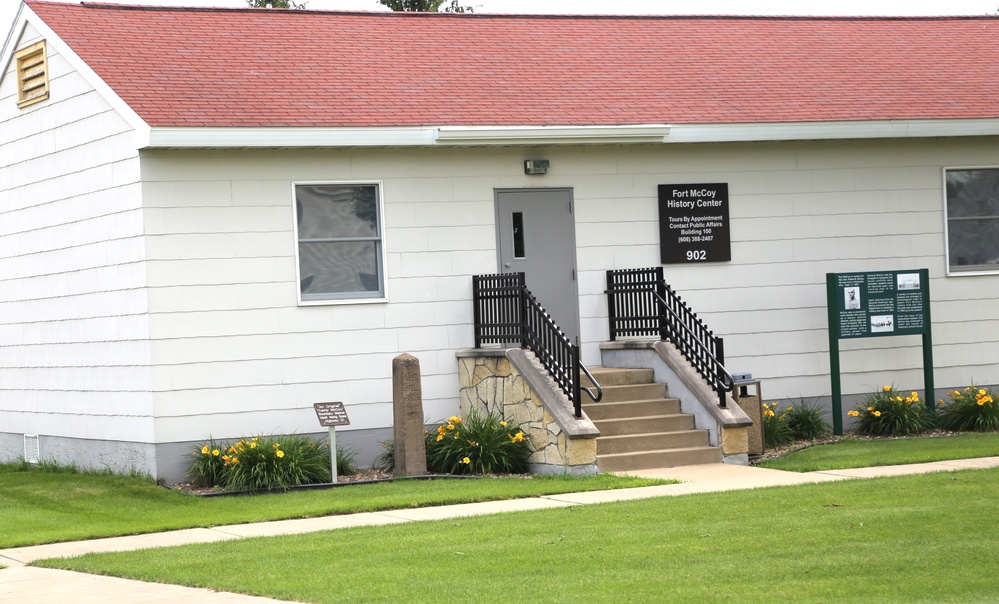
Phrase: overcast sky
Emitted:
{"points": [[8, 8]]}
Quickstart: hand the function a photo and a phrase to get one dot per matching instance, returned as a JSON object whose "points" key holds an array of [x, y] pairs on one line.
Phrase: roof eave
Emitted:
{"points": [[934, 128], [551, 135], [479, 136]]}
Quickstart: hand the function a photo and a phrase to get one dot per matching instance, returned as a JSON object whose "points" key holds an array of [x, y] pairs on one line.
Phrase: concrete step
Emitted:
{"points": [[657, 441], [645, 424], [630, 392], [637, 408], [640, 428], [611, 376], [668, 458]]}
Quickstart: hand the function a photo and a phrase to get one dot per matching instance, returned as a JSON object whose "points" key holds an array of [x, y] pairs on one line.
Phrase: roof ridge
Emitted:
{"points": [[410, 15]]}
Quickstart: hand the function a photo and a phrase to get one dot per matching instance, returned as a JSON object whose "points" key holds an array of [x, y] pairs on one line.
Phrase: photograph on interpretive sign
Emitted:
{"points": [[852, 298], [882, 324], [908, 281]]}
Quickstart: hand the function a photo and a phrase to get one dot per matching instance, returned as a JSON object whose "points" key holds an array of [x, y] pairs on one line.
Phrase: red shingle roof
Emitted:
{"points": [[244, 67]]}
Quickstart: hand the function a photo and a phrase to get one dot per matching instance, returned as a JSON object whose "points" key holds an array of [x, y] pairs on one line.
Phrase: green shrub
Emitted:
{"points": [[345, 464], [972, 409], [476, 445], [385, 462], [776, 431], [207, 468], [888, 413], [261, 463], [806, 421]]}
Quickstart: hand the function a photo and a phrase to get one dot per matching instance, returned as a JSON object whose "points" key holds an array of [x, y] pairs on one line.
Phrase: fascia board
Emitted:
{"points": [[200, 138], [552, 135], [26, 16], [181, 137], [13, 35], [471, 136], [720, 133]]}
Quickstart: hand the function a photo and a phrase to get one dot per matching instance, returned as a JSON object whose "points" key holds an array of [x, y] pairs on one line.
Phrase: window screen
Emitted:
{"points": [[973, 219], [339, 242]]}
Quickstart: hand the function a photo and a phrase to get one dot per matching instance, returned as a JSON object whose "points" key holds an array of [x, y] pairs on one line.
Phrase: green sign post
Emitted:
{"points": [[870, 305]]}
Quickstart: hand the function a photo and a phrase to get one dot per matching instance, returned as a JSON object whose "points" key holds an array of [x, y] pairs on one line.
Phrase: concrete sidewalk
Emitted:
{"points": [[28, 585]]}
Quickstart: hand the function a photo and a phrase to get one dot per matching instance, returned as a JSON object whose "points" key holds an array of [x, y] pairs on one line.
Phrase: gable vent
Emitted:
{"points": [[31, 448], [32, 74]]}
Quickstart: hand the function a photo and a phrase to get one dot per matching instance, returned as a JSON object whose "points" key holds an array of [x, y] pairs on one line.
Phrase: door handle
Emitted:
{"points": [[506, 265]]}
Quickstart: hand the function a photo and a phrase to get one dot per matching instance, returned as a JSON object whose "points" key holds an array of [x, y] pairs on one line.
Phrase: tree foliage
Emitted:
{"points": [[426, 6], [275, 4]]}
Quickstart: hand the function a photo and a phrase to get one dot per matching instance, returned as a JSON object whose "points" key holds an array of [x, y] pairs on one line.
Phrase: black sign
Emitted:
{"points": [[331, 414], [693, 223], [888, 303]]}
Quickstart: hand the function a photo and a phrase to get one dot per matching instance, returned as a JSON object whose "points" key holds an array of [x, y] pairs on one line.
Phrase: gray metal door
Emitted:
{"points": [[537, 236]]}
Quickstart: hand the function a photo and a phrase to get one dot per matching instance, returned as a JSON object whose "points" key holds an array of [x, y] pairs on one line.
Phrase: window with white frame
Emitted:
{"points": [[972, 208], [340, 251]]}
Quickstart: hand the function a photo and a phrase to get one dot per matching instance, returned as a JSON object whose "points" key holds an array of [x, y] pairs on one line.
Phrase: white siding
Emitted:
{"points": [[800, 210], [234, 354], [74, 353]]}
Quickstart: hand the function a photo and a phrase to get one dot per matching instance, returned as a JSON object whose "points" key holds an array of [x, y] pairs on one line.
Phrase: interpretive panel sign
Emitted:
{"points": [[331, 414], [882, 303], [694, 224], [889, 303]]}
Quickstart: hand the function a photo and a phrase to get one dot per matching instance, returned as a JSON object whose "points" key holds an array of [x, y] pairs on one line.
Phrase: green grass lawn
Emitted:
{"points": [[926, 538], [45, 506], [855, 453]]}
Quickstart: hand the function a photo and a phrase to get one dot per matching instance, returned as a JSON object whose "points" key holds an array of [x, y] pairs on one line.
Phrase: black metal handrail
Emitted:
{"points": [[506, 312], [640, 303]]}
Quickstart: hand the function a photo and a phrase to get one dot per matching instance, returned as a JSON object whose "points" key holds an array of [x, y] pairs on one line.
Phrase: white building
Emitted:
{"points": [[159, 284]]}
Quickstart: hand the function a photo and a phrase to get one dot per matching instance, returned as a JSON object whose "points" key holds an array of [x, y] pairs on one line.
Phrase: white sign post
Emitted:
{"points": [[332, 415]]}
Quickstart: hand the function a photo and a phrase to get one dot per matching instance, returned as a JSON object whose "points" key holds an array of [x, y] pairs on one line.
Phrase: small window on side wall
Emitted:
{"points": [[340, 250], [972, 207]]}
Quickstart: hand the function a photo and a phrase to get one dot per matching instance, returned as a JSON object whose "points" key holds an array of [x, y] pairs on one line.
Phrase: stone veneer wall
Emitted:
{"points": [[490, 382]]}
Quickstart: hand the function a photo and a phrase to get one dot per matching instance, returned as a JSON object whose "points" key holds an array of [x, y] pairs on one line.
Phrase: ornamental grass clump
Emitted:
{"points": [[385, 462], [476, 445], [207, 466], [262, 462], [889, 413], [806, 421], [776, 431], [973, 409]]}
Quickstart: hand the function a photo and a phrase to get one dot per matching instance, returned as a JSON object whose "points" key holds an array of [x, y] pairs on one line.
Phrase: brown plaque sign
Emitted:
{"points": [[331, 414]]}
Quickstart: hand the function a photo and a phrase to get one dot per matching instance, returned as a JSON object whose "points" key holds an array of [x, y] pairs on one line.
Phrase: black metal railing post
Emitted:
{"points": [[720, 355], [476, 309], [611, 308], [661, 286], [522, 295], [577, 404]]}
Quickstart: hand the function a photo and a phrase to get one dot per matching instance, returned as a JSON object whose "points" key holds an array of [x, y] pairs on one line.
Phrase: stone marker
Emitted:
{"points": [[407, 403]]}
